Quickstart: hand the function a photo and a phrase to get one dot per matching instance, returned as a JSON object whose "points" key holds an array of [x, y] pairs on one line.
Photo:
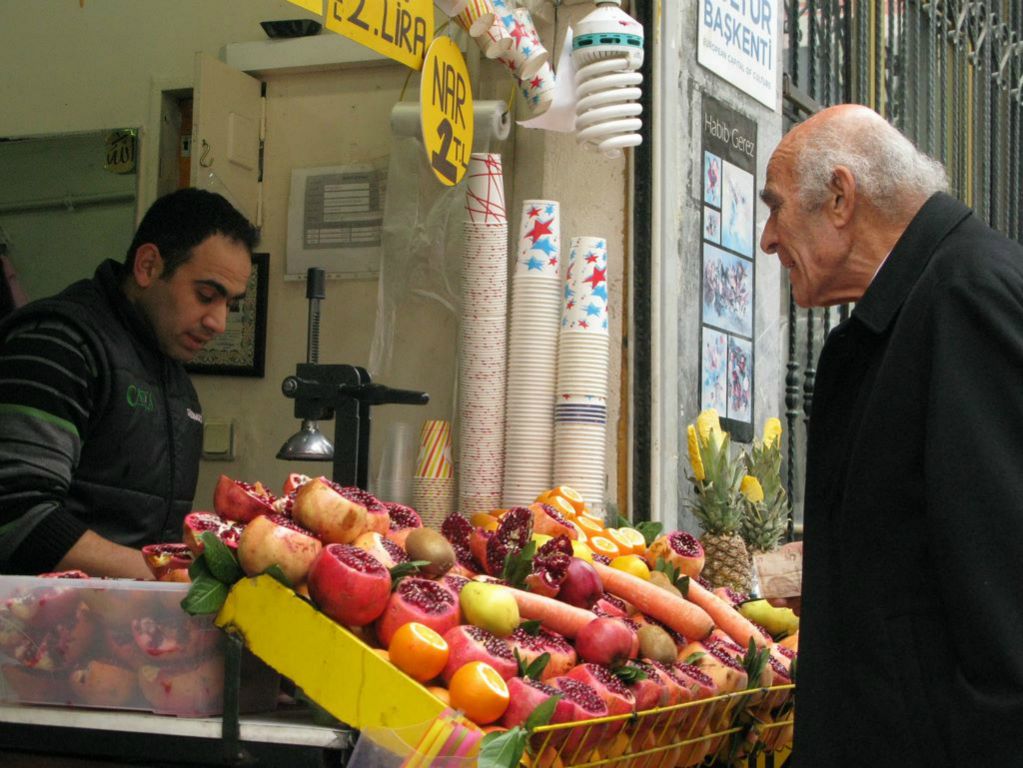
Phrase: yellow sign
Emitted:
{"points": [[445, 98], [398, 29], [316, 6], [120, 146]]}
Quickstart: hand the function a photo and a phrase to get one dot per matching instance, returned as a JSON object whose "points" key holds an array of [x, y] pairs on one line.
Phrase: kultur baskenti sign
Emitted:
{"points": [[739, 41]]}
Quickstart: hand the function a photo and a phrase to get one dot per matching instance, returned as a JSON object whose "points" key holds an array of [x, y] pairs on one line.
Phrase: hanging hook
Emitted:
{"points": [[206, 149]]}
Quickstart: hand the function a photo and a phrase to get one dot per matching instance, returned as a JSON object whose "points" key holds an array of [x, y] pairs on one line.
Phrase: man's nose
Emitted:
{"points": [[768, 239], [216, 319]]}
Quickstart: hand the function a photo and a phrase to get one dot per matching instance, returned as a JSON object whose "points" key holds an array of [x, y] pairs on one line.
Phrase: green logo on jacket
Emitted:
{"points": [[141, 399]]}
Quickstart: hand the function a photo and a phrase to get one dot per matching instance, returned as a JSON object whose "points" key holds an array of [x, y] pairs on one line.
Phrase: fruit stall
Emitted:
{"points": [[538, 635]]}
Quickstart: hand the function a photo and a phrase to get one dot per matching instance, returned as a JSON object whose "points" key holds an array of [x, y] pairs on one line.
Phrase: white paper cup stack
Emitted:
{"points": [[433, 485], [482, 365], [580, 410], [532, 354]]}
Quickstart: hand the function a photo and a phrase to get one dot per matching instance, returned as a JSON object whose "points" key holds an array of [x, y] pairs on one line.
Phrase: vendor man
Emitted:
{"points": [[100, 426]]}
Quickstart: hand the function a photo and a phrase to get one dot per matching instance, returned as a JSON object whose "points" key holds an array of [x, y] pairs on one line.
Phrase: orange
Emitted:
{"points": [[633, 564], [589, 526], [549, 758], [571, 495], [567, 510], [483, 520], [418, 651], [602, 545], [479, 691], [440, 692], [629, 540]]}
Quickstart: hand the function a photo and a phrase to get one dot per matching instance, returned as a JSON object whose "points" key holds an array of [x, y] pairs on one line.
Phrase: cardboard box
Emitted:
{"points": [[116, 644]]}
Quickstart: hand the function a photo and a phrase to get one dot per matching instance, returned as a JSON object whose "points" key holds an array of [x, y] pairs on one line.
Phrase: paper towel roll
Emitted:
{"points": [[490, 118]]}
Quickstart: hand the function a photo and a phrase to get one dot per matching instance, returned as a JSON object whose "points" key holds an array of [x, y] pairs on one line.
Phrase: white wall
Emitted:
{"points": [[90, 67]]}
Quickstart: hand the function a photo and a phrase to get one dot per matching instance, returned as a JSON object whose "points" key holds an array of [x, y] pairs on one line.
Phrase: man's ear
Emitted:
{"points": [[842, 200], [148, 264]]}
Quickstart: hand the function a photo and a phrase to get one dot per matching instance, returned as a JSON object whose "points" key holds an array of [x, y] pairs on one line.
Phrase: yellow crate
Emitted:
{"points": [[676, 736], [332, 666]]}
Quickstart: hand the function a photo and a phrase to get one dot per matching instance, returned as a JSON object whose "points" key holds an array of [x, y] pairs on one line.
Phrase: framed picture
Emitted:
{"points": [[241, 349]]}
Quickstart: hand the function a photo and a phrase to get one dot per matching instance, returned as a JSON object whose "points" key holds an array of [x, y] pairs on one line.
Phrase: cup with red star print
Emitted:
{"points": [[527, 54]]}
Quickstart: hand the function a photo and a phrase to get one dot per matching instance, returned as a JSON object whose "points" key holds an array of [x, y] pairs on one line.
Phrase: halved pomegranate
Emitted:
{"points": [[277, 540], [173, 640], [294, 481], [529, 647], [335, 518], [681, 549], [422, 600], [168, 561], [349, 584], [241, 501], [197, 523]]}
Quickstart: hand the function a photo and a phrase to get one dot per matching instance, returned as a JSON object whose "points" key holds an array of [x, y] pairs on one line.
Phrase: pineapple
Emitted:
{"points": [[718, 504], [766, 515]]}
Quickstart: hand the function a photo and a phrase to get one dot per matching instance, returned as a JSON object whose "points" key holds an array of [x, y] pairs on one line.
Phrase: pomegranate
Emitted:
{"points": [[418, 599], [349, 584], [720, 662], [321, 507], [162, 559], [184, 689], [610, 688], [401, 516], [120, 645], [478, 547], [40, 608], [548, 521], [293, 482], [730, 596], [512, 534], [605, 640], [197, 523], [61, 645], [612, 605], [581, 586], [34, 686], [454, 582], [529, 647], [525, 695], [649, 690], [102, 684], [550, 565], [277, 540], [586, 705], [681, 549], [458, 530], [173, 639], [386, 551], [239, 501], [470, 643]]}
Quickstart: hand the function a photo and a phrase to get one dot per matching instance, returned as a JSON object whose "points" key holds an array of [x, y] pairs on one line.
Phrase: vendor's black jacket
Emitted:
{"points": [[912, 587], [98, 429]]}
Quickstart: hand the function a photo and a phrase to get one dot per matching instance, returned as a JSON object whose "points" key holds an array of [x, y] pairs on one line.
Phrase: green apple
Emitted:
{"points": [[489, 606]]}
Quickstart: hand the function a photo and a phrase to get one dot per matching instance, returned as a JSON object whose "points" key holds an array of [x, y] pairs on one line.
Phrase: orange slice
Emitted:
{"points": [[589, 526], [483, 520], [602, 545], [571, 495], [629, 540]]}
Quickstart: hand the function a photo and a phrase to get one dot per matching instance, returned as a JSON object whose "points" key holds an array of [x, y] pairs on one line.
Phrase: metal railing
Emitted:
{"points": [[949, 74]]}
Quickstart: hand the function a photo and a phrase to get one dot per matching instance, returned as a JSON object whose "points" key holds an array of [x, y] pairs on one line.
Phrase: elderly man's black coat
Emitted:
{"points": [[912, 626]]}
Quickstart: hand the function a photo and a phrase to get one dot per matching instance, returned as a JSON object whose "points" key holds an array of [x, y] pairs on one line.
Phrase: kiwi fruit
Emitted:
{"points": [[427, 545], [655, 643], [660, 579]]}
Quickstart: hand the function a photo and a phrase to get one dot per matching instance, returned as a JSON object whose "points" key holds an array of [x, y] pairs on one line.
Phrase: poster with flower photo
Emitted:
{"points": [[728, 249]]}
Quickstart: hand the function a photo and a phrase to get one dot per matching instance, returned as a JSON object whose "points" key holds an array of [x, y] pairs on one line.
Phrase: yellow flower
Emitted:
{"points": [[706, 423], [751, 489], [694, 453], [772, 431]]}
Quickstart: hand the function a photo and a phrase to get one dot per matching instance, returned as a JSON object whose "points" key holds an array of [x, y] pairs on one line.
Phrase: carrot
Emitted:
{"points": [[684, 617], [733, 623], [553, 614]]}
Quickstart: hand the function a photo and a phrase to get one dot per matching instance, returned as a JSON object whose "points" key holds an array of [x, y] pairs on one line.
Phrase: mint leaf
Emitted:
{"points": [[542, 714], [221, 560], [401, 570], [502, 749], [538, 665], [629, 674], [531, 627], [199, 568], [650, 530], [277, 574], [205, 595], [518, 565]]}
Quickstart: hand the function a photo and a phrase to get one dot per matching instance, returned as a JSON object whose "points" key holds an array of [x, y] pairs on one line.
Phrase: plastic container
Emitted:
{"points": [[117, 644]]}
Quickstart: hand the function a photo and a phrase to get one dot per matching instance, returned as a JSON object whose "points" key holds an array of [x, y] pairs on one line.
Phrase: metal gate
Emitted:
{"points": [[949, 74]]}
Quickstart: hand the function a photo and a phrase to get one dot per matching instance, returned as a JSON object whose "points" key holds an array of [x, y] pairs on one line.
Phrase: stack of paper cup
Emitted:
{"points": [[532, 350], [538, 90], [580, 410], [433, 485], [476, 17], [483, 337], [527, 54]]}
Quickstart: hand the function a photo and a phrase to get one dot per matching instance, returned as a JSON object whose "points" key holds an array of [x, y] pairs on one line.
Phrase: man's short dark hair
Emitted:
{"points": [[178, 222]]}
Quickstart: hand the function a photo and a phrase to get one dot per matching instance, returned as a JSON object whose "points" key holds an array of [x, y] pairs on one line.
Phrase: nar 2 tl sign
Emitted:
{"points": [[739, 41]]}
